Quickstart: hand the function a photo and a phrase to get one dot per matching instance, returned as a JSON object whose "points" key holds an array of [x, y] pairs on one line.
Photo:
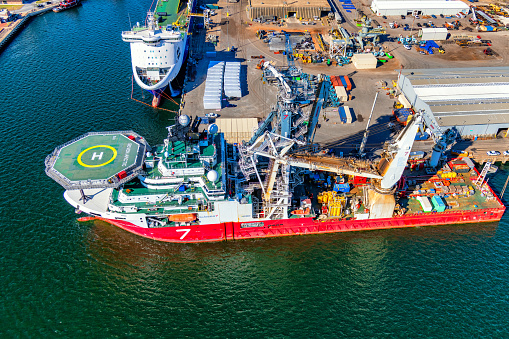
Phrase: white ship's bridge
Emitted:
{"points": [[97, 160], [156, 52]]}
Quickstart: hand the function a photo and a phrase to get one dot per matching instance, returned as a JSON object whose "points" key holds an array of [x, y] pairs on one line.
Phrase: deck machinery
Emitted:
{"points": [[271, 160], [272, 157], [343, 42]]}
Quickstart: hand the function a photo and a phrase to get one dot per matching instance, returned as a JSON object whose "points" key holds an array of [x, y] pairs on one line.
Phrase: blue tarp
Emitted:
{"points": [[430, 44], [402, 114], [343, 188], [421, 136]]}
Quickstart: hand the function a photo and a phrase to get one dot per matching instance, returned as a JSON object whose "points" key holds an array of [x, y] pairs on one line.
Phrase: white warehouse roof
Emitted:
{"points": [[460, 96], [434, 30], [382, 5]]}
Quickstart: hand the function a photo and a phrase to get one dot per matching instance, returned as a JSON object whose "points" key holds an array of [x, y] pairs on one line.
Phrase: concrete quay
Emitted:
{"points": [[231, 27], [9, 32]]}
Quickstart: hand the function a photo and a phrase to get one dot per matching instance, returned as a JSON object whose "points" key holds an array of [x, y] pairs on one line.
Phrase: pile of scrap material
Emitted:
{"points": [[487, 193], [448, 183]]}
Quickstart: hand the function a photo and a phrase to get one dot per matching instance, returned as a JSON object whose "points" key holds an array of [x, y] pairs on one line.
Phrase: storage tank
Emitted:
{"points": [[438, 149]]}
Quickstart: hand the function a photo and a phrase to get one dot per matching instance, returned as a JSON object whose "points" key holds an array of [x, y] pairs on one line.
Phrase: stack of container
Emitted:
{"points": [[345, 115], [341, 85], [232, 80], [214, 85]]}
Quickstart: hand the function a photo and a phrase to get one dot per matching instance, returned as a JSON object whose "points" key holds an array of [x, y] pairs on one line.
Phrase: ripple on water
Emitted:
{"points": [[69, 73]]}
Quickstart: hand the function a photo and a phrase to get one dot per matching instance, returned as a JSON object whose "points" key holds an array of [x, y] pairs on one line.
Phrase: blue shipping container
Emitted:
{"points": [[342, 114]]}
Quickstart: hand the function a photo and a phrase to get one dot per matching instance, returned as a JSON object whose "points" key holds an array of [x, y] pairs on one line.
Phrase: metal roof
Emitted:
{"points": [[463, 96], [442, 76], [460, 113], [409, 4], [305, 9]]}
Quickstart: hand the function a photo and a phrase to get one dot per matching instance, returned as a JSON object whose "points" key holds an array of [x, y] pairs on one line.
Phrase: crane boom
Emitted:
{"points": [[288, 95], [392, 169]]}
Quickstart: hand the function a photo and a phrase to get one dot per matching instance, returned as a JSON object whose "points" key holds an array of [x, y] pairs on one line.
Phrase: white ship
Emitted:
{"points": [[159, 48]]}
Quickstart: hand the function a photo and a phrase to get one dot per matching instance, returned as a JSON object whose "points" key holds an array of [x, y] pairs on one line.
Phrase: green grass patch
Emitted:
{"points": [[11, 7]]}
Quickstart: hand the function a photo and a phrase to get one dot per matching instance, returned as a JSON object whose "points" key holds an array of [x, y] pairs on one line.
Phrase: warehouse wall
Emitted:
{"points": [[469, 131]]}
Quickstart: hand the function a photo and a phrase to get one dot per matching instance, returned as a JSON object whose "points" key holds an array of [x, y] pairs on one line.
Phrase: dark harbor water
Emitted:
{"points": [[69, 73]]}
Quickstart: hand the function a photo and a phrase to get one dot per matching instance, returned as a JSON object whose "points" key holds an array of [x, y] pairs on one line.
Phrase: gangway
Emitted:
{"points": [[480, 179]]}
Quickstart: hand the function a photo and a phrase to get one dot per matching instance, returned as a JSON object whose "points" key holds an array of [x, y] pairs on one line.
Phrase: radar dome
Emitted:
{"points": [[213, 129], [184, 120], [212, 176]]}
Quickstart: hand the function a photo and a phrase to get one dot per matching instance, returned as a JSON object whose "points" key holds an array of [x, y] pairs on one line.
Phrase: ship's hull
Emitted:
{"points": [[60, 9], [175, 69], [157, 89], [302, 226]]}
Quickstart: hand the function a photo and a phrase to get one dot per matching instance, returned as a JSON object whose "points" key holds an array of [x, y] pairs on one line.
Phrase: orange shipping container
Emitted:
{"points": [[348, 83]]}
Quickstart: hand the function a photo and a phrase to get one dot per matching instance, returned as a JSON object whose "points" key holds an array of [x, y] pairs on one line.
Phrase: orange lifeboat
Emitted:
{"points": [[183, 217], [83, 219], [301, 212]]}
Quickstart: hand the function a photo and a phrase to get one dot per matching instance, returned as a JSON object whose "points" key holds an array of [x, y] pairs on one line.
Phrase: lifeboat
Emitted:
{"points": [[301, 212], [183, 217], [83, 219]]}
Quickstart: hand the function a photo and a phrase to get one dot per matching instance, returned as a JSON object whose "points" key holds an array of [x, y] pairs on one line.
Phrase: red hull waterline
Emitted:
{"points": [[156, 100], [302, 226]]}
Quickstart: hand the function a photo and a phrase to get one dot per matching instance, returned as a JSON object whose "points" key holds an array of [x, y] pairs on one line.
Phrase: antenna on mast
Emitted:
{"points": [[130, 26]]}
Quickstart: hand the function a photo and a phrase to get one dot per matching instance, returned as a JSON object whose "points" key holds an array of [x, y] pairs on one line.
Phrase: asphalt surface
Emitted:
{"points": [[234, 29]]}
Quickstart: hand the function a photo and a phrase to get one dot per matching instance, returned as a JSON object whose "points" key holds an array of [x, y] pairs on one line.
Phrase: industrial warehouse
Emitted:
{"points": [[416, 7], [475, 101], [279, 9]]}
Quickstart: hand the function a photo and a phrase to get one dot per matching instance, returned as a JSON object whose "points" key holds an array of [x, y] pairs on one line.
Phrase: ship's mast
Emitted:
{"points": [[151, 22]]}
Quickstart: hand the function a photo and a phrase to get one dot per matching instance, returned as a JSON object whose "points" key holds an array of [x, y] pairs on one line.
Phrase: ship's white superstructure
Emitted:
{"points": [[157, 53]]}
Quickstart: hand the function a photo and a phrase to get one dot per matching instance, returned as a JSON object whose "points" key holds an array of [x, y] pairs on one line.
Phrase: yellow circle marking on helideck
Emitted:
{"points": [[104, 163]]}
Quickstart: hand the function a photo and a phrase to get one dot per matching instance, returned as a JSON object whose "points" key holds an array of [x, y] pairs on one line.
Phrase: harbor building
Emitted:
{"points": [[281, 9], [475, 101], [418, 7]]}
